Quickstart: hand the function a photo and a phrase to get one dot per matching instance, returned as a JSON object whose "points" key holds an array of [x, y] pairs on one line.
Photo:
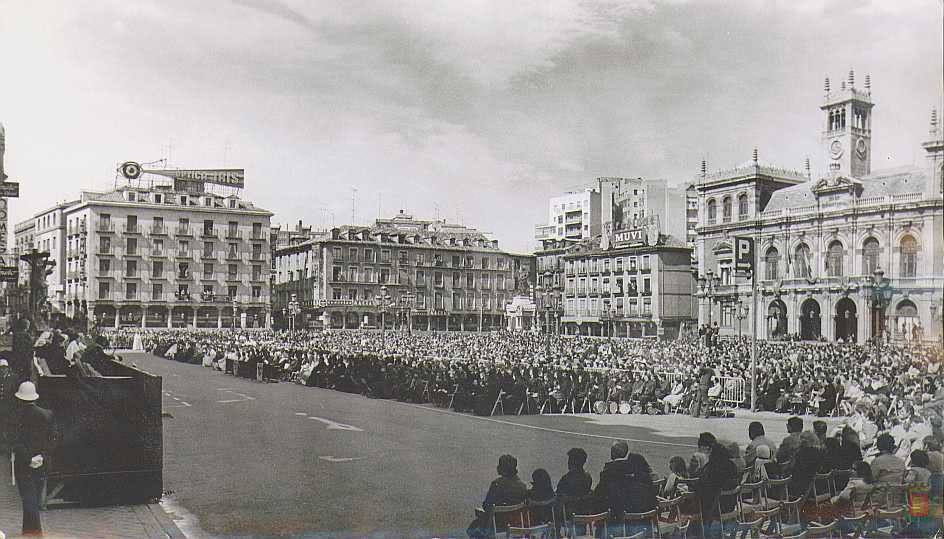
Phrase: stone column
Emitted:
{"points": [[117, 318], [219, 319], [195, 318], [170, 318], [143, 318]]}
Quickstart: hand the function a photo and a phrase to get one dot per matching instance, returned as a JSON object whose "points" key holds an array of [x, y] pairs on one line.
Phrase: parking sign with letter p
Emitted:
{"points": [[744, 254]]}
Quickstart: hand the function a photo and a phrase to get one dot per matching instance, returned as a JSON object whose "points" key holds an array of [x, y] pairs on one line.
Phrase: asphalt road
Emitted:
{"points": [[252, 459]]}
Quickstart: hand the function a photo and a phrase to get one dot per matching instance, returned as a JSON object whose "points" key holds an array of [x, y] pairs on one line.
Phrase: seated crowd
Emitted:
{"points": [[810, 481]]}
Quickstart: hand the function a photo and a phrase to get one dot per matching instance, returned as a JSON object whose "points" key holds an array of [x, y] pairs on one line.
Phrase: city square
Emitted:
{"points": [[273, 268]]}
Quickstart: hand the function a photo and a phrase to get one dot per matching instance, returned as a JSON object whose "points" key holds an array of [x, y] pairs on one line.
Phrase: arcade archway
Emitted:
{"points": [[810, 320], [846, 320]]}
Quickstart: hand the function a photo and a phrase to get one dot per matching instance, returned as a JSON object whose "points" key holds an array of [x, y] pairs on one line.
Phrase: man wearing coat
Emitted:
{"points": [[31, 446]]}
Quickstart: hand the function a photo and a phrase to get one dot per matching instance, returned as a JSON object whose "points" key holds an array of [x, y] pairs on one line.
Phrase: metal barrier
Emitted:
{"points": [[732, 391]]}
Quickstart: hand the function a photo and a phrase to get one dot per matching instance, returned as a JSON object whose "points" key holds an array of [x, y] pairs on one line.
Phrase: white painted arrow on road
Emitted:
{"points": [[331, 458], [242, 399], [334, 425]]}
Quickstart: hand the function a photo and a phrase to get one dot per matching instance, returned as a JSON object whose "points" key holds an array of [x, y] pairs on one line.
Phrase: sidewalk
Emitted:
{"points": [[131, 521]]}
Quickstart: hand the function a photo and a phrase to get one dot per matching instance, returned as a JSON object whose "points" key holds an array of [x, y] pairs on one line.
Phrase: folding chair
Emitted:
{"points": [[591, 524], [526, 403], [659, 484], [587, 400], [691, 499], [452, 397], [733, 515], [787, 506], [542, 531], [777, 490], [896, 522], [815, 529], [756, 492], [539, 508], [670, 520], [425, 395], [822, 495], [771, 517], [652, 517], [504, 516]]}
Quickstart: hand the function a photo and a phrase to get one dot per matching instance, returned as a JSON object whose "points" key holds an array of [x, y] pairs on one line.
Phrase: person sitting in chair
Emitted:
{"points": [[506, 489]]}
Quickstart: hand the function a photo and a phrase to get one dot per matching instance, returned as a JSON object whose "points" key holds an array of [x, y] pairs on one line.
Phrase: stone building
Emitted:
{"points": [[850, 254], [163, 255], [402, 273]]}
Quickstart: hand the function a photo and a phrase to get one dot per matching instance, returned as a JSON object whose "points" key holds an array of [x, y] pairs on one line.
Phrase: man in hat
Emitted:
{"points": [[31, 445]]}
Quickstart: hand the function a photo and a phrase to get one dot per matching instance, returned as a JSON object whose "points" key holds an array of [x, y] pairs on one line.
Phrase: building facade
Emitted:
{"points": [[637, 284], [402, 273], [164, 257], [24, 240], [851, 254], [574, 215]]}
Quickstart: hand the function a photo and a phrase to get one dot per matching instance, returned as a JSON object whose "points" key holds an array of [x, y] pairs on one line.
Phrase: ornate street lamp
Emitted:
{"points": [[742, 311], [707, 285], [235, 308], [293, 308], [383, 301]]}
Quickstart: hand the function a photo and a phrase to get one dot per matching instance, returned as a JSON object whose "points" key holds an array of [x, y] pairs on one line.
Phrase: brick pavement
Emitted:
{"points": [[132, 521]]}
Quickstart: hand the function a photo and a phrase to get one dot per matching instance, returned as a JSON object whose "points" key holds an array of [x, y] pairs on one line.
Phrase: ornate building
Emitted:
{"points": [[848, 255], [402, 273]]}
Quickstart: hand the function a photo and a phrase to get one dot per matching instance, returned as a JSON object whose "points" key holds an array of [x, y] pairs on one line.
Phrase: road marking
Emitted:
{"points": [[544, 429], [182, 404], [300, 413], [243, 399], [334, 425], [332, 458]]}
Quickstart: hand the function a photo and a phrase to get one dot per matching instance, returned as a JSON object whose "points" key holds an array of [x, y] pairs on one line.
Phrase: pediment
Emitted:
{"points": [[834, 184]]}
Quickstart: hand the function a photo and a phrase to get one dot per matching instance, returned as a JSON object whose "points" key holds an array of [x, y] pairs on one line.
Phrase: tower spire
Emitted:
{"points": [[826, 85], [806, 166], [754, 156], [851, 79]]}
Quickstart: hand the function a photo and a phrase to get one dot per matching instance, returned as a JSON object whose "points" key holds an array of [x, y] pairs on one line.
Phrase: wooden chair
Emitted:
{"points": [[659, 484], [691, 499], [543, 531], [776, 490], [640, 535], [788, 506], [896, 518], [734, 515], [538, 510], [670, 520], [771, 517], [756, 492], [504, 516], [591, 524], [754, 528], [652, 517], [801, 535], [823, 488], [855, 522], [815, 529]]}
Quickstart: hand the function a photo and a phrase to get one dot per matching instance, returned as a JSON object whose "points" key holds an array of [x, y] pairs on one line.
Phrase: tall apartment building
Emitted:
{"points": [[575, 215], [629, 202], [162, 257], [24, 240], [402, 272], [46, 231]]}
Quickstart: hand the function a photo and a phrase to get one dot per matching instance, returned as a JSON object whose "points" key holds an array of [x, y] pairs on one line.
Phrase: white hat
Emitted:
{"points": [[27, 392], [3, 363]]}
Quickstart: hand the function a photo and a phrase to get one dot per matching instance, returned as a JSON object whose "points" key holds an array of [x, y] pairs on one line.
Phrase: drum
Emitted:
{"points": [[624, 407], [599, 407], [614, 407]]}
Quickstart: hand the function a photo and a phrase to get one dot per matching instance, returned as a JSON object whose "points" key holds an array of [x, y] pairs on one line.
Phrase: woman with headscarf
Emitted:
{"points": [[718, 474]]}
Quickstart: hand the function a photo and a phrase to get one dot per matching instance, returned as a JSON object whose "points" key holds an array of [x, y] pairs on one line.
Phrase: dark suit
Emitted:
{"points": [[33, 437], [622, 491]]}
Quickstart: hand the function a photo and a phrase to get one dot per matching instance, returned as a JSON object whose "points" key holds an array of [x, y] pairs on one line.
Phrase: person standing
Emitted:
{"points": [[31, 446]]}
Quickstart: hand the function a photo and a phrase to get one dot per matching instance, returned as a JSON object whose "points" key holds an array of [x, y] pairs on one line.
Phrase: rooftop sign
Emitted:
{"points": [[230, 177]]}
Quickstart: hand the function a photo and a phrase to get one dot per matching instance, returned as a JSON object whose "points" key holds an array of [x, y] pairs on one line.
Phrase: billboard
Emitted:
{"points": [[230, 177]]}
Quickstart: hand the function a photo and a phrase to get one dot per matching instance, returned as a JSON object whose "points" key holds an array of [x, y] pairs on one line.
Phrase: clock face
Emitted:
{"points": [[835, 149], [861, 148]]}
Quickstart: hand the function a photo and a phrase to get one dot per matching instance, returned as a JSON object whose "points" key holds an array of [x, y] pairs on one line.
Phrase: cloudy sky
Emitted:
{"points": [[470, 110]]}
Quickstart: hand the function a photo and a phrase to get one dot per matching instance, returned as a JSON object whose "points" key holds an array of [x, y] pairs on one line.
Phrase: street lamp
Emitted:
{"points": [[383, 300], [741, 312], [881, 297], [293, 309], [235, 307], [614, 317], [708, 285], [937, 314]]}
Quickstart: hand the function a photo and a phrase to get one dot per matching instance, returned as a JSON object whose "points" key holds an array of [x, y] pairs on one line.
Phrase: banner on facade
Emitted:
{"points": [[744, 254]]}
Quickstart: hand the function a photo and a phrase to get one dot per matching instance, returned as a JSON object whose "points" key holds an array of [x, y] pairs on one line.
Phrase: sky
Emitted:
{"points": [[473, 111]]}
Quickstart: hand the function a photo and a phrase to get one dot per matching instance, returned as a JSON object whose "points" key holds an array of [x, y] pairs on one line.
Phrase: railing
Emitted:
{"points": [[233, 234], [259, 236], [208, 255], [104, 250], [132, 252], [157, 252], [132, 229], [183, 231], [105, 227], [158, 275], [183, 254], [158, 230], [231, 277], [208, 233], [183, 276], [232, 255], [258, 257]]}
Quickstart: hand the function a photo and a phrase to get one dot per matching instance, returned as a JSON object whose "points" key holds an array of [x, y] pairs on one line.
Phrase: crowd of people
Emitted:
{"points": [[837, 484]]}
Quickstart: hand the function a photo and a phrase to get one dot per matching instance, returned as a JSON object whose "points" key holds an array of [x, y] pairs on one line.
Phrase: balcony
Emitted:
{"points": [[208, 256], [131, 296], [208, 277], [209, 233], [132, 229], [183, 231], [259, 236], [232, 277], [132, 275], [105, 274], [158, 297], [183, 276], [158, 276], [105, 250], [158, 230], [107, 296], [182, 253], [257, 278], [105, 227], [159, 253], [232, 234], [132, 252], [258, 257], [232, 255]]}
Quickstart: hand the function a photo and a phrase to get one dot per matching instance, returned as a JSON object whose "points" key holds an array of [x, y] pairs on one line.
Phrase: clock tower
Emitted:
{"points": [[848, 134]]}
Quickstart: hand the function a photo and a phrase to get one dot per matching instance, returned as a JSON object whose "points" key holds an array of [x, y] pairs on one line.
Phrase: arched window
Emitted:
{"points": [[726, 209], [712, 211], [870, 254], [772, 263], [834, 259], [909, 256], [742, 207], [801, 262]]}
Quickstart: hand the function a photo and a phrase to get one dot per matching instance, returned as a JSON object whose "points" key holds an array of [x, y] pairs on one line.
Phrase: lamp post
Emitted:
{"points": [[383, 301], [741, 312], [708, 285], [881, 297], [235, 308], [293, 309], [937, 314], [614, 317]]}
